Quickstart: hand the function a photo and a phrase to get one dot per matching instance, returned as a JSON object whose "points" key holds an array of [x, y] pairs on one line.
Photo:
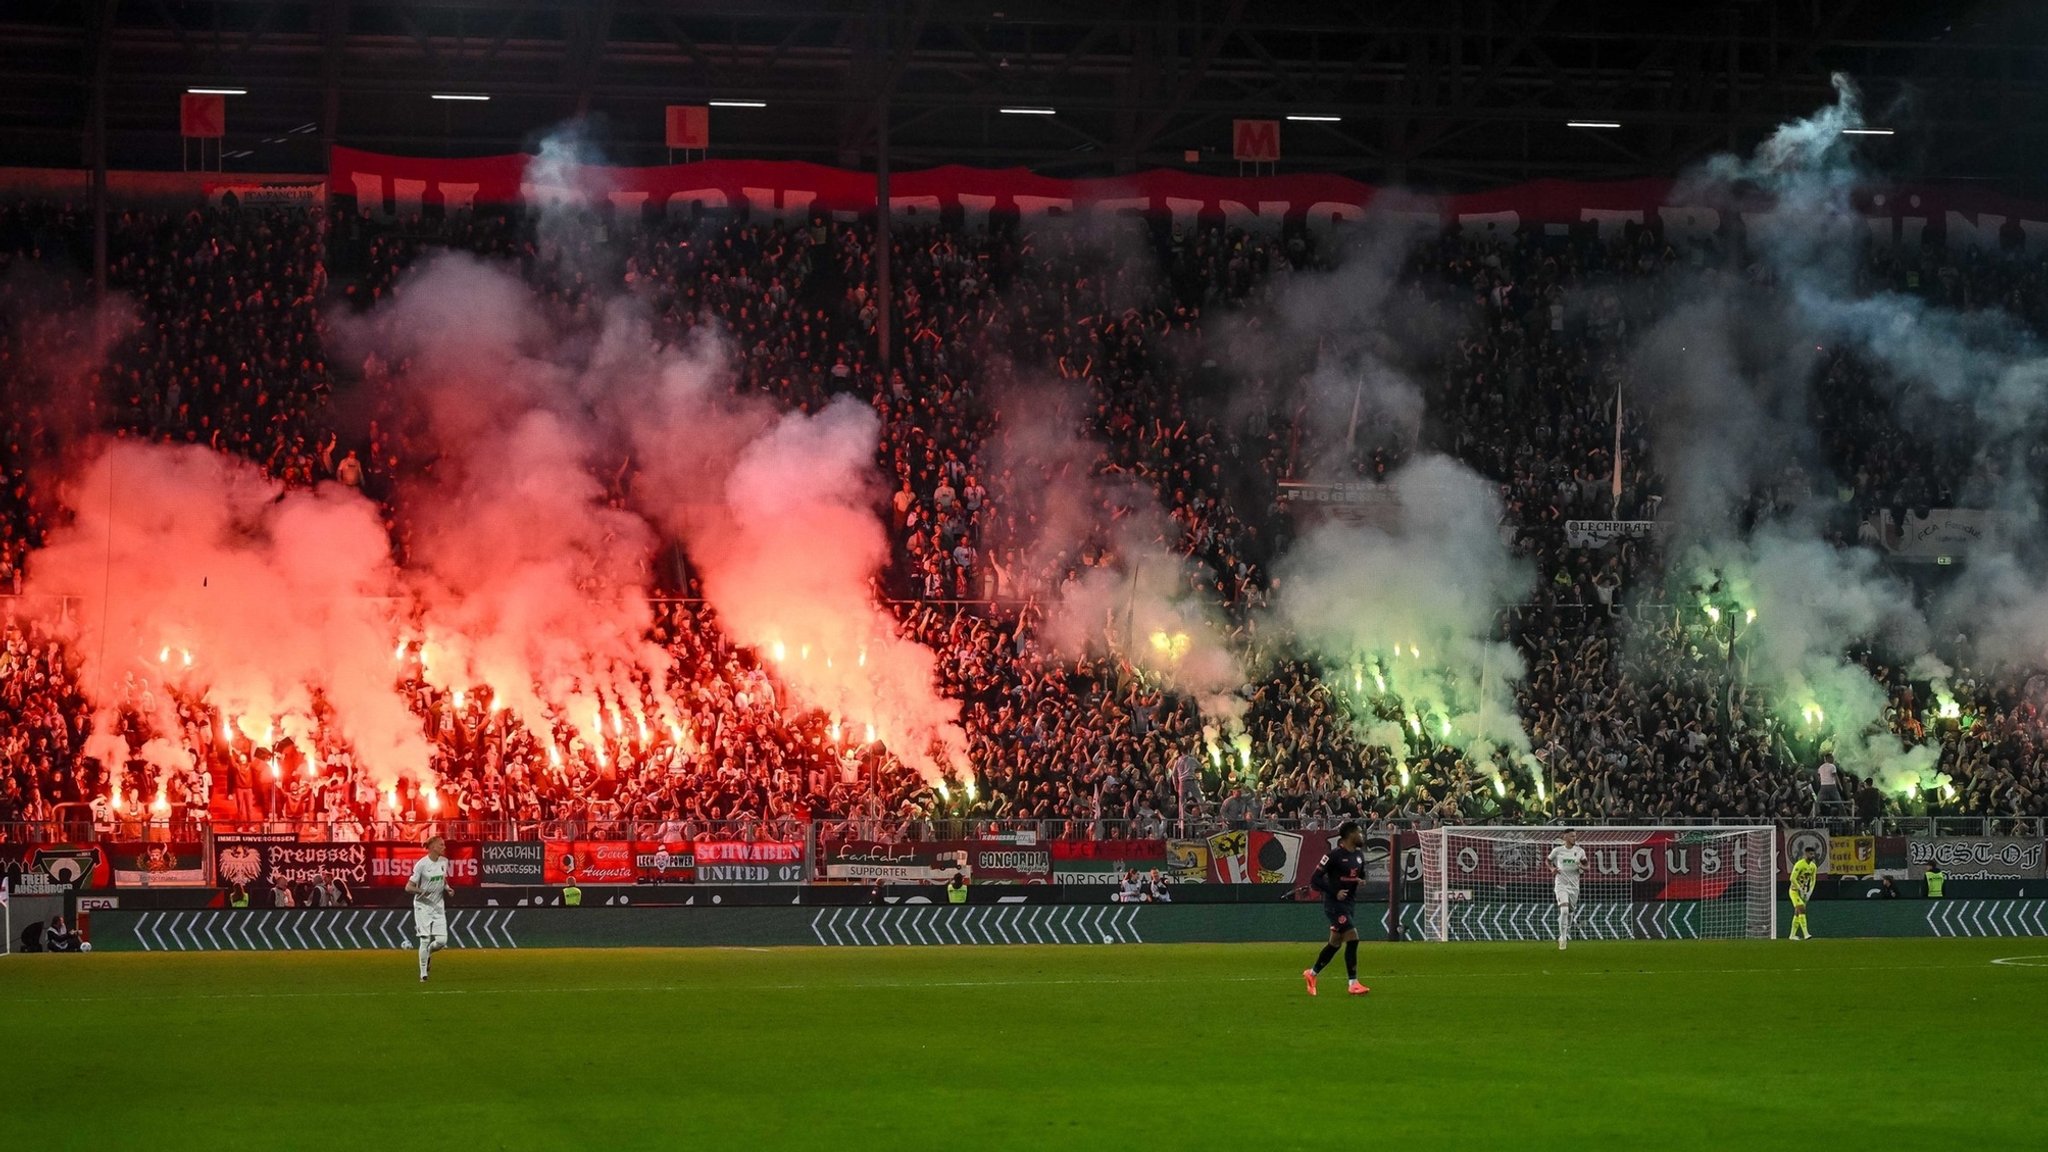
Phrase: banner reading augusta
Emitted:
{"points": [[384, 185]]}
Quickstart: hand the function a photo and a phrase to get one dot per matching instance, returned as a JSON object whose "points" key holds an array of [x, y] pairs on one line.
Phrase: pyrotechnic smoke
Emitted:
{"points": [[532, 579], [274, 596], [791, 574], [1724, 378], [1397, 604], [1099, 556], [526, 579], [1400, 612]]}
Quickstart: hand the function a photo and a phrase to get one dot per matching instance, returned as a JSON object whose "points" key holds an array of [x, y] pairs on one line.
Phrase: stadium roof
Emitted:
{"points": [[1450, 93]]}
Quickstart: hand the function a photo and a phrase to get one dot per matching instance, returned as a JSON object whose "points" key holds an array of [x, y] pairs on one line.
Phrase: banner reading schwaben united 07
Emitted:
{"points": [[1979, 857], [749, 862], [1963, 215]]}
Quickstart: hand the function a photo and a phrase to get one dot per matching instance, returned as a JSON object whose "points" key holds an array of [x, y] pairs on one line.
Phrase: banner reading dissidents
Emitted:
{"points": [[513, 862], [1979, 857], [790, 191]]}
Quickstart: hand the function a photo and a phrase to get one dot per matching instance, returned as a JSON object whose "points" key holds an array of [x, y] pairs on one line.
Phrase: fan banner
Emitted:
{"points": [[263, 860], [1661, 866], [156, 865], [513, 862], [1978, 857], [589, 862], [791, 191], [56, 869], [749, 861], [935, 861]]}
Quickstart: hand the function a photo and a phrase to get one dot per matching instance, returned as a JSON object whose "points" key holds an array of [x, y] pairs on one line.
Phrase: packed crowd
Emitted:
{"points": [[1631, 711]]}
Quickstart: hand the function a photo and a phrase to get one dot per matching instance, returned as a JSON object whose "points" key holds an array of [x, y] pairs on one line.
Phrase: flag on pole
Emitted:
{"points": [[202, 116]]}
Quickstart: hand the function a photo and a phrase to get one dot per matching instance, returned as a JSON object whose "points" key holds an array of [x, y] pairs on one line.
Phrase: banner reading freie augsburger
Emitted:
{"points": [[1979, 857]]}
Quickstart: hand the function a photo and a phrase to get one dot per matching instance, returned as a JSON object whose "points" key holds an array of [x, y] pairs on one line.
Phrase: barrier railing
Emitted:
{"points": [[187, 828]]}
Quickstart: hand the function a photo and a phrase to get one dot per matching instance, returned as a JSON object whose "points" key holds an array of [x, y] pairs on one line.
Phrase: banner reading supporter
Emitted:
{"points": [[385, 185], [907, 863]]}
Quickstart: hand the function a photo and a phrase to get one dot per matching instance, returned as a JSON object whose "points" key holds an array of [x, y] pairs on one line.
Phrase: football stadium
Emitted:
{"points": [[913, 574]]}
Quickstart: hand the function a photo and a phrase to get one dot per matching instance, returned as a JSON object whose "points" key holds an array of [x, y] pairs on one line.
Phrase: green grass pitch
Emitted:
{"points": [[1655, 1046]]}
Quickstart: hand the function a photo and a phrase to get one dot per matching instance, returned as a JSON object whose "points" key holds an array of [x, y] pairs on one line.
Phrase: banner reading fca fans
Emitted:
{"points": [[790, 191]]}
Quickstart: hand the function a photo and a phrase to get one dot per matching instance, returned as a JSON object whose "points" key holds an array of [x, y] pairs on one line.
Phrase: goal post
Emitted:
{"points": [[1642, 882]]}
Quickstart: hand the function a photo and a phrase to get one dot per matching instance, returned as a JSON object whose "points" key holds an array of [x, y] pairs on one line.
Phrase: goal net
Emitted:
{"points": [[1655, 883]]}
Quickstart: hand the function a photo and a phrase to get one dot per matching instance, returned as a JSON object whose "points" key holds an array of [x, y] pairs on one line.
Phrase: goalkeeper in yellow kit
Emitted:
{"points": [[1805, 873]]}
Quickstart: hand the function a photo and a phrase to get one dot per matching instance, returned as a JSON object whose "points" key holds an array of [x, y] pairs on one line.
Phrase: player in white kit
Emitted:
{"points": [[429, 888], [1569, 860]]}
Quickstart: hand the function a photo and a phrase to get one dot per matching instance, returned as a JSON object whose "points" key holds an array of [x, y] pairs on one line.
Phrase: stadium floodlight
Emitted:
{"points": [[1028, 111], [1868, 132], [460, 96], [1317, 119], [1640, 882], [1592, 123], [737, 103], [218, 91]]}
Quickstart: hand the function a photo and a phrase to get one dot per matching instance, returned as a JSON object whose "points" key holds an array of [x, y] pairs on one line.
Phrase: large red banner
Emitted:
{"points": [[790, 190]]}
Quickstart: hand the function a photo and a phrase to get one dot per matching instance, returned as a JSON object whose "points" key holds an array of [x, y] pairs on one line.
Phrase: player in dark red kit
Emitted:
{"points": [[1338, 878]]}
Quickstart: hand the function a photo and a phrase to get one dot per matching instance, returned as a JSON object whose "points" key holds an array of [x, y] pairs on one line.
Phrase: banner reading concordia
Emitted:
{"points": [[1979, 857], [1962, 214]]}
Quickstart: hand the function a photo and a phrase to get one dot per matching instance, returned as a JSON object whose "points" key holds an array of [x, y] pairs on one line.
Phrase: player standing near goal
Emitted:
{"points": [[429, 888], [1805, 874], [1569, 860], [1338, 876]]}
